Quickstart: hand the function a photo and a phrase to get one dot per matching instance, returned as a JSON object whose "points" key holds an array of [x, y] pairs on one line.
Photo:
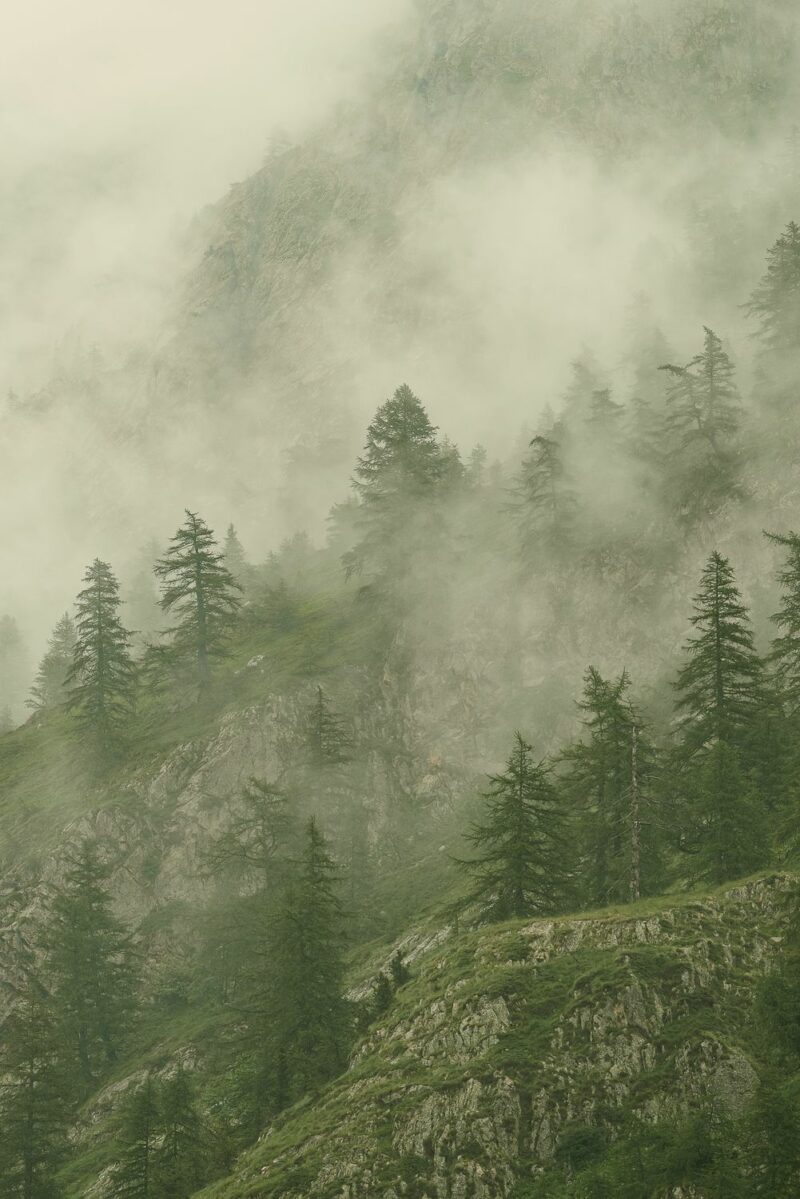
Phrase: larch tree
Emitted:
{"points": [[102, 679], [50, 685], [520, 867], [200, 594], [89, 963]]}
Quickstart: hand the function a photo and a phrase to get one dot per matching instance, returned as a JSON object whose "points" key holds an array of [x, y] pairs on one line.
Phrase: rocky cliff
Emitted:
{"points": [[509, 1040]]}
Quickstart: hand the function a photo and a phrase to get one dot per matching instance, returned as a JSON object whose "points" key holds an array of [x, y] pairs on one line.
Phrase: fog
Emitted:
{"points": [[506, 251]]}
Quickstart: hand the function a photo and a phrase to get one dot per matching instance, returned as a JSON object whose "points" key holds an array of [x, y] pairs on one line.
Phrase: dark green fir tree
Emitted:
{"points": [[183, 1154], [520, 867], [89, 963], [327, 738], [396, 480], [135, 1176], [102, 679], [50, 686], [34, 1112], [721, 682], [200, 594], [544, 505], [702, 426], [309, 1015]]}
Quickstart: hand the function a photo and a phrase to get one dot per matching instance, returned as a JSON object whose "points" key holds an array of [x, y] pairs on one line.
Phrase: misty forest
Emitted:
{"points": [[400, 614]]}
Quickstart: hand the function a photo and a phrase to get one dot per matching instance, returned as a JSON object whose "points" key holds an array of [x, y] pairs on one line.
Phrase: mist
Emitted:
{"points": [[501, 261]]}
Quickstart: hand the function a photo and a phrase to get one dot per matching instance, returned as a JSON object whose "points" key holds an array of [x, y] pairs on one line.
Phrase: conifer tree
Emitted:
{"points": [[720, 684], [785, 650], [234, 557], [396, 480], [729, 837], [605, 416], [703, 416], [135, 1175], [586, 381], [544, 504], [327, 738], [200, 593], [183, 1150], [141, 597], [102, 677], [610, 780], [89, 962], [775, 303], [520, 868], [33, 1107], [309, 1018], [50, 686]]}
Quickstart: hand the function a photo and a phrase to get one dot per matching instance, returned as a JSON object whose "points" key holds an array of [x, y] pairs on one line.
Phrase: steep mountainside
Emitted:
{"points": [[510, 1044]]}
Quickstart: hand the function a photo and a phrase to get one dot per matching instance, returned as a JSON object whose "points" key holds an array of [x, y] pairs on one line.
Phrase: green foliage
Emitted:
{"points": [[521, 864], [102, 677], [544, 505], [720, 684], [309, 1023], [200, 593], [610, 782], [702, 426], [785, 650], [89, 966], [328, 740], [397, 479], [775, 302], [33, 1110], [50, 686], [728, 836], [134, 1176]]}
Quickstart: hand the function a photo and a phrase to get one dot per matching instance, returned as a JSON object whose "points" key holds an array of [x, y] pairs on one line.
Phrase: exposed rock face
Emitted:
{"points": [[507, 1037]]}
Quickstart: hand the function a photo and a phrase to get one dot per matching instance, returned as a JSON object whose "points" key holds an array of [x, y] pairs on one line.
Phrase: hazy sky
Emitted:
{"points": [[118, 121]]}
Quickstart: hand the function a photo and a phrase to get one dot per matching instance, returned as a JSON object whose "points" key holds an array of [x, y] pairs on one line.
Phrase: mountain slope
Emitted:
{"points": [[512, 1040]]}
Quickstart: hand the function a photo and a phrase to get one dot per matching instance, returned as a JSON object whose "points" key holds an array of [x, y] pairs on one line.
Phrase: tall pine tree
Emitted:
{"points": [[200, 593], [135, 1175], [309, 1025], [102, 678], [521, 864], [609, 779], [720, 684], [33, 1106], [544, 504], [703, 417], [89, 963], [396, 481], [50, 686]]}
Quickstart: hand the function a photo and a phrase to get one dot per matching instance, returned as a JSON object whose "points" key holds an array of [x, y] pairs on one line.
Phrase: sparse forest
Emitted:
{"points": [[666, 779], [404, 802]]}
